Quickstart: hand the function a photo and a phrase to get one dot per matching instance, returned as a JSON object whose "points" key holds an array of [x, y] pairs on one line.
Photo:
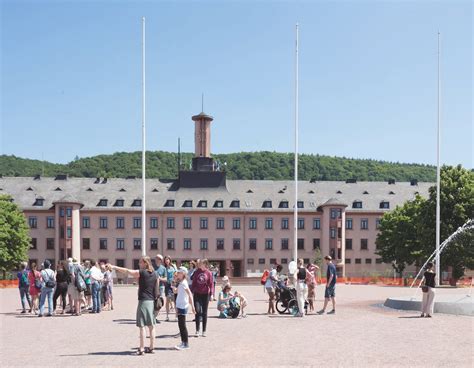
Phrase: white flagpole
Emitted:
{"points": [[438, 175], [144, 243], [295, 220]]}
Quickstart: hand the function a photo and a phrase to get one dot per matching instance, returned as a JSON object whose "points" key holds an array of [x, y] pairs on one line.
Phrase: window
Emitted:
{"points": [[377, 223], [203, 244], [169, 203], [220, 244], [273, 261], [316, 223], [38, 202], [170, 244], [33, 222], [385, 205], [137, 203], [103, 222], [103, 244], [50, 222], [102, 203], [203, 222], [267, 204], [284, 261], [306, 260], [50, 243], [364, 244], [357, 204], [283, 204], [333, 233], [61, 232], [170, 223], [368, 261], [285, 223], [218, 204], [378, 260], [86, 222], [261, 261], [300, 204], [120, 262], [250, 261], [86, 243], [347, 261], [153, 222], [364, 224], [202, 204], [236, 244], [187, 244], [120, 244], [34, 243], [269, 244], [137, 244], [252, 223], [68, 212], [348, 244], [253, 244], [188, 203], [268, 223], [358, 261], [120, 222], [316, 243], [349, 224], [235, 204], [284, 243], [301, 223], [153, 243], [61, 211], [187, 223], [301, 244], [220, 223], [119, 203], [137, 222], [136, 264], [236, 223], [69, 232], [335, 213]]}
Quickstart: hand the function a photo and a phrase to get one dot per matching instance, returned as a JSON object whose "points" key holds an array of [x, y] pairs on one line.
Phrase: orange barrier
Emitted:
{"points": [[8, 283]]}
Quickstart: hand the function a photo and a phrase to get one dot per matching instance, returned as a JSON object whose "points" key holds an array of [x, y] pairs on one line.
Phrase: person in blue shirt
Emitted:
{"points": [[330, 292], [161, 275]]}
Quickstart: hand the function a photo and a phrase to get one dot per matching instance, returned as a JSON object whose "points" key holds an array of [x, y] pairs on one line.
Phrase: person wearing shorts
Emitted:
{"points": [[330, 291], [272, 279]]}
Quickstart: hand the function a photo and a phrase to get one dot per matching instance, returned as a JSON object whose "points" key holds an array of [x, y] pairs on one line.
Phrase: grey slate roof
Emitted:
{"points": [[158, 192]]}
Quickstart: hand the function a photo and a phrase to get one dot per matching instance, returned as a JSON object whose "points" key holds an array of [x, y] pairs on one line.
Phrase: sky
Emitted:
{"points": [[71, 77]]}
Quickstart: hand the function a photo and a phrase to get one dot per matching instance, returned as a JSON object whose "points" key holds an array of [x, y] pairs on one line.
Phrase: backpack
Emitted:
{"points": [[24, 282], [264, 278], [38, 284], [79, 281], [50, 282]]}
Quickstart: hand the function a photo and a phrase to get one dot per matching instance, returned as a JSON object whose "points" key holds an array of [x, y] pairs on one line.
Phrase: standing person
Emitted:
{"points": [[62, 276], [215, 275], [203, 288], [24, 287], [108, 283], [160, 271], [183, 300], [330, 291], [170, 270], [147, 292], [270, 284], [301, 287], [49, 283], [96, 280], [70, 286], [311, 282], [34, 276], [192, 269], [87, 278], [427, 304]]}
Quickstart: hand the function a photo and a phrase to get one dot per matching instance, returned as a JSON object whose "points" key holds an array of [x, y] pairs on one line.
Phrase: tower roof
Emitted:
{"points": [[202, 115]]}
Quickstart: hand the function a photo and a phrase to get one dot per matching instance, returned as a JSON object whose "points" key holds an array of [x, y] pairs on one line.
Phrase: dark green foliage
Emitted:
{"points": [[243, 165]]}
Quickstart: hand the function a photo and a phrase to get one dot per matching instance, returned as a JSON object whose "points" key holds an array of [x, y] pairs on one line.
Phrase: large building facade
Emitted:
{"points": [[244, 226]]}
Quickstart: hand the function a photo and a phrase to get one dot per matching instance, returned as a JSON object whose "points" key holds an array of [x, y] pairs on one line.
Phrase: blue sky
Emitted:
{"points": [[71, 77]]}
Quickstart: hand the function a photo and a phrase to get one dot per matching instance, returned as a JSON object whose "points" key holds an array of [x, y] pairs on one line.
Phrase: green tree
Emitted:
{"points": [[14, 235]]}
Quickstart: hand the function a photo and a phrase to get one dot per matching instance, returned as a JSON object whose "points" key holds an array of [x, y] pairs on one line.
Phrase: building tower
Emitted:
{"points": [[202, 160]]}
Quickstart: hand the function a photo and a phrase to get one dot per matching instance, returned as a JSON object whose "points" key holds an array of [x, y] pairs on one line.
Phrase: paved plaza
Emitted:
{"points": [[361, 334]]}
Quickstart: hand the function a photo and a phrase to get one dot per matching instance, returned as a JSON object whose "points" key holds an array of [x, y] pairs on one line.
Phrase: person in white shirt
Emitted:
{"points": [[183, 300], [96, 278], [270, 284]]}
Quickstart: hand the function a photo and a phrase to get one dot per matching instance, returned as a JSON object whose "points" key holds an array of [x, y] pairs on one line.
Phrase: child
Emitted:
{"points": [[243, 303], [183, 300]]}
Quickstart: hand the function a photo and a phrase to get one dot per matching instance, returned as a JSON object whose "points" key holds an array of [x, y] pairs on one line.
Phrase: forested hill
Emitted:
{"points": [[243, 165]]}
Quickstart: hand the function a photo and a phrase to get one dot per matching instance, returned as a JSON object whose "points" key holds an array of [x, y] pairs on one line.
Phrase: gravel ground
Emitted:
{"points": [[361, 334]]}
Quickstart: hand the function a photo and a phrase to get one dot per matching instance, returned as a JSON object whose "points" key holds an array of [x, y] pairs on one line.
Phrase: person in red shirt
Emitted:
{"points": [[202, 288]]}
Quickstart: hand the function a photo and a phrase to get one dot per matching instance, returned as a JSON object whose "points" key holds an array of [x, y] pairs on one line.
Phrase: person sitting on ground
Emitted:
{"points": [[225, 281], [243, 303], [223, 300]]}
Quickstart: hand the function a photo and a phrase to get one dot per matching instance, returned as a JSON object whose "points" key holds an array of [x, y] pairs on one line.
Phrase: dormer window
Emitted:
{"points": [[338, 192], [281, 191], [58, 189], [218, 204], [188, 203], [89, 190], [250, 191], [122, 190], [391, 181], [137, 203], [29, 189], [300, 204], [267, 204], [385, 205], [97, 181], [311, 192], [365, 192], [283, 204], [155, 190], [169, 203], [413, 182], [391, 192], [357, 204], [39, 202], [235, 204], [118, 203], [102, 203], [202, 204]]}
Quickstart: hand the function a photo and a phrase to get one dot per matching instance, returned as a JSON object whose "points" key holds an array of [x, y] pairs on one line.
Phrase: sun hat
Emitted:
{"points": [[183, 269]]}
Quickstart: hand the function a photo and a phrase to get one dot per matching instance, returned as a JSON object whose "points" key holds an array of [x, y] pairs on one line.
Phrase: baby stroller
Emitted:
{"points": [[234, 308], [287, 302]]}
